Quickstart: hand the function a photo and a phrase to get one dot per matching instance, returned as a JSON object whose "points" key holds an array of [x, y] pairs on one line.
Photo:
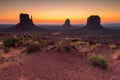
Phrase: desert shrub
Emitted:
{"points": [[77, 42], [11, 42], [25, 39], [27, 36], [26, 42], [64, 46], [32, 47], [98, 61], [117, 55], [44, 43]]}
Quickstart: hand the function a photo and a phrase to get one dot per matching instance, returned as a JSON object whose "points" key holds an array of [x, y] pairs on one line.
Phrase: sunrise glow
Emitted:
{"points": [[56, 11]]}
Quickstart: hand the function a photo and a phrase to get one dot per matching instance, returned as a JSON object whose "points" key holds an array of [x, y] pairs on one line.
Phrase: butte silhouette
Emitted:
{"points": [[25, 25], [94, 23], [67, 24]]}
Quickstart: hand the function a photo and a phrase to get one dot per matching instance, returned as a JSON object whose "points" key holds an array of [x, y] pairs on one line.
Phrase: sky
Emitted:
{"points": [[57, 11]]}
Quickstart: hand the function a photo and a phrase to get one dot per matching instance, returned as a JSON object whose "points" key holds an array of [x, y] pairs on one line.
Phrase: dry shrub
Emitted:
{"points": [[91, 48], [63, 46], [32, 47], [98, 61], [12, 42], [44, 43], [27, 36], [26, 39]]}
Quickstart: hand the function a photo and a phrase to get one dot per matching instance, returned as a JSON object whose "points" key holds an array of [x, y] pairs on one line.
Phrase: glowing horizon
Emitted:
{"points": [[56, 11]]}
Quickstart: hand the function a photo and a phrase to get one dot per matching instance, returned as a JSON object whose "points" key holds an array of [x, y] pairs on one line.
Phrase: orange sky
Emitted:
{"points": [[56, 11]]}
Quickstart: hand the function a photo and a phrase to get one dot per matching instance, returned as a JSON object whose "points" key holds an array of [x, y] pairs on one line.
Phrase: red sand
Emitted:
{"points": [[50, 65]]}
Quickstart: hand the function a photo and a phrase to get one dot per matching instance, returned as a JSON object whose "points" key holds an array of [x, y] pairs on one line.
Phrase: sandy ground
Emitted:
{"points": [[52, 65]]}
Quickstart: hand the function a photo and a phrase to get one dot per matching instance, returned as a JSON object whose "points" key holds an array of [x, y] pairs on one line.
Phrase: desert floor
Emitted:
{"points": [[46, 64]]}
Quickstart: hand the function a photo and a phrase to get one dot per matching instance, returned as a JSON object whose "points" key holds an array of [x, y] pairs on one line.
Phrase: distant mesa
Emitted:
{"points": [[93, 20], [67, 23], [25, 25], [25, 20], [94, 23]]}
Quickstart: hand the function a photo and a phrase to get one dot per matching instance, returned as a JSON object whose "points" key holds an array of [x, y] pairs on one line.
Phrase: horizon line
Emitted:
{"points": [[58, 23]]}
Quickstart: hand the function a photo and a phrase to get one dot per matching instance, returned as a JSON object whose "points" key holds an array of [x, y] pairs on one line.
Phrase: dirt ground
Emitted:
{"points": [[53, 65]]}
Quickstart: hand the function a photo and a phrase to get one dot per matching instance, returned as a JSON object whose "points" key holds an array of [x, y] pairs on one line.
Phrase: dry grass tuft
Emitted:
{"points": [[98, 61]]}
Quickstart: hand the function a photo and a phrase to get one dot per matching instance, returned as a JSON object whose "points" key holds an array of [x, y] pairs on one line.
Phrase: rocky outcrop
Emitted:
{"points": [[25, 25], [24, 19], [94, 23], [67, 23]]}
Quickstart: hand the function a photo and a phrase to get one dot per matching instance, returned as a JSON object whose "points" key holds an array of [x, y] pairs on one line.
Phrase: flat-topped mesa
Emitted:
{"points": [[93, 22], [67, 23], [24, 19], [25, 25]]}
